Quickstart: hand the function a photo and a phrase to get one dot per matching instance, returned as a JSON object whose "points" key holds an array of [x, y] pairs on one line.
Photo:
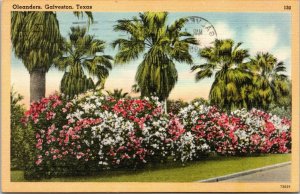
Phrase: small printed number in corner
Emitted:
{"points": [[287, 7], [285, 186]]}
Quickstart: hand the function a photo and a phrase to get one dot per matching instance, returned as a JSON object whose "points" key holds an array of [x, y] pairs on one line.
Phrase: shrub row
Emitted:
{"points": [[93, 132]]}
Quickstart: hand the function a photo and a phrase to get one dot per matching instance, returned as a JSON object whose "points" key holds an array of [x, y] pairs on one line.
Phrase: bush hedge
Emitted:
{"points": [[91, 133]]}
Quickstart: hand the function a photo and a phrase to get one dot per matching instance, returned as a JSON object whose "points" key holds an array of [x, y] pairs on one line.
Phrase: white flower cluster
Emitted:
{"points": [[191, 112], [110, 134], [279, 124], [256, 122], [155, 134], [190, 148]]}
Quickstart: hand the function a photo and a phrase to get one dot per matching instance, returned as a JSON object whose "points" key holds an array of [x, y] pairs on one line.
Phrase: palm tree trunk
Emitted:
{"points": [[165, 106], [37, 84], [226, 101]]}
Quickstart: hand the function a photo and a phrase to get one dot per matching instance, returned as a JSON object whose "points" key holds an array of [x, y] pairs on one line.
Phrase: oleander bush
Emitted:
{"points": [[240, 133], [92, 133]]}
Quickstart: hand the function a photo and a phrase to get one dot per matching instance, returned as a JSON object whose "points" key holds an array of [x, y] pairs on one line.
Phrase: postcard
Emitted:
{"points": [[150, 96]]}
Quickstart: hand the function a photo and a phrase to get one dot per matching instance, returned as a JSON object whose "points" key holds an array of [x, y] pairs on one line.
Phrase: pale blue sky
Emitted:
{"points": [[269, 32]]}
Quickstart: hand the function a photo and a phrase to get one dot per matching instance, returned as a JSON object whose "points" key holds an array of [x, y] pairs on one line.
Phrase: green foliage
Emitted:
{"points": [[174, 106], [281, 111], [30, 153], [118, 94], [283, 106], [161, 45], [82, 53], [21, 137], [17, 133]]}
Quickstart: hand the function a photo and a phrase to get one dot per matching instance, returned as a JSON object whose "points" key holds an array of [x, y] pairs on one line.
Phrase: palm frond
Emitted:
{"points": [[206, 73]]}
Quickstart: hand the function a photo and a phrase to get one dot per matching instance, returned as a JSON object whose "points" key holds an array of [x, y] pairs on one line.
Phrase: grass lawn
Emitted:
{"points": [[193, 171]]}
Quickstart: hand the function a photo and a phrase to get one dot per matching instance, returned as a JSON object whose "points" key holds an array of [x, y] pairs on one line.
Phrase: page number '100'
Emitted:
{"points": [[287, 7]]}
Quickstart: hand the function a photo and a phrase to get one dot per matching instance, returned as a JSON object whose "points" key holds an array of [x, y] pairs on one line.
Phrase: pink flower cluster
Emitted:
{"points": [[38, 108]]}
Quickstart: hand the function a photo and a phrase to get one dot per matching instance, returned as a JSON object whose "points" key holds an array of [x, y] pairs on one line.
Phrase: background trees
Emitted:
{"points": [[240, 81], [83, 59]]}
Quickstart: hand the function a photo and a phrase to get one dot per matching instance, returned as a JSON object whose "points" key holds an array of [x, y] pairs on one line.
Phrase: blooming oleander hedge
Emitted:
{"points": [[240, 133], [94, 132]]}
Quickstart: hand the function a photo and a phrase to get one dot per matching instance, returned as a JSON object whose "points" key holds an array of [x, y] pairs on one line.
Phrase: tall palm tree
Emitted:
{"points": [[161, 45], [82, 54], [271, 84], [36, 40], [224, 61]]}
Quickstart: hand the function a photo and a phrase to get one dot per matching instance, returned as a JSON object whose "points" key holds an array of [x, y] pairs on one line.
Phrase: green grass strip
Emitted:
{"points": [[193, 171]]}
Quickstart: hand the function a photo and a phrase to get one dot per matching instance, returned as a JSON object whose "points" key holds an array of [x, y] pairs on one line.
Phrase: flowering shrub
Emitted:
{"points": [[131, 132], [100, 132], [43, 119], [265, 133], [93, 132], [240, 133]]}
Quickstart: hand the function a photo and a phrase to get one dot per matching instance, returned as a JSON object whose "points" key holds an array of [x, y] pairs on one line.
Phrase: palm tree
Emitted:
{"points": [[224, 61], [161, 45], [271, 84], [117, 93], [36, 40], [82, 54]]}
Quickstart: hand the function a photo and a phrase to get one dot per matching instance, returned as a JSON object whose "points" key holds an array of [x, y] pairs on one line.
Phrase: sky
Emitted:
{"points": [[267, 32]]}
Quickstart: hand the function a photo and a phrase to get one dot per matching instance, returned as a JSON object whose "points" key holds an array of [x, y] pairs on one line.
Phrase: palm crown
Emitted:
{"points": [[82, 53], [161, 45], [270, 82], [224, 61], [36, 38]]}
